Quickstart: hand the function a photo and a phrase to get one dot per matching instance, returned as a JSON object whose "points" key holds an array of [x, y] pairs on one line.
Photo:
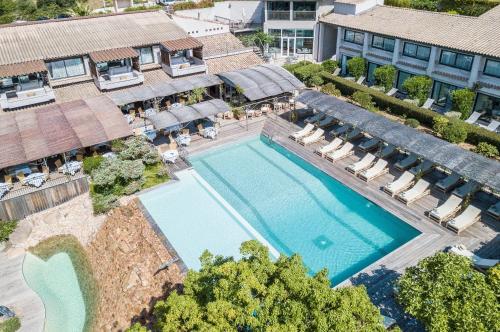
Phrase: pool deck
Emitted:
{"points": [[18, 296]]}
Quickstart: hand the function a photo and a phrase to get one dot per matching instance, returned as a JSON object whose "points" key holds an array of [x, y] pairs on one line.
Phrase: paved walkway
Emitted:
{"points": [[18, 296]]}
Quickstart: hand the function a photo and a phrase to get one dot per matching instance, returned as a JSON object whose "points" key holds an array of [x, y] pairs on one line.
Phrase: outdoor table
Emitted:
{"points": [[170, 156], [35, 179], [184, 139], [210, 132], [71, 167], [4, 188], [175, 105], [129, 118], [150, 135], [109, 155], [149, 112], [25, 169], [265, 109]]}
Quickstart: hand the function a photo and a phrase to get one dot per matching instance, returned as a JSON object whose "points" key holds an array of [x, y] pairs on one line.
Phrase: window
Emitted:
{"points": [[402, 77], [66, 68], [304, 10], [145, 55], [278, 10], [354, 37], [417, 51], [441, 93], [492, 68], [386, 44], [457, 60]]}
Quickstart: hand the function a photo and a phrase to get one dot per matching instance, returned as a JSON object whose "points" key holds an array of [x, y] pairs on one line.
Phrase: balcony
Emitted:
{"points": [[304, 15], [182, 57], [278, 15], [187, 66], [116, 79], [17, 99]]}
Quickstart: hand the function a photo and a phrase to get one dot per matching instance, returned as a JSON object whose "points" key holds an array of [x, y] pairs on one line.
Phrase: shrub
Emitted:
{"points": [[356, 67], [486, 150], [453, 115], [330, 89], [92, 163], [162, 171], [131, 170], [385, 76], [329, 65], [305, 72], [462, 101], [493, 279], [294, 66], [136, 148], [117, 145], [102, 203], [132, 187], [10, 325], [6, 228], [314, 81], [439, 124], [455, 131], [363, 99], [140, 8], [418, 87], [445, 293], [412, 123], [193, 5]]}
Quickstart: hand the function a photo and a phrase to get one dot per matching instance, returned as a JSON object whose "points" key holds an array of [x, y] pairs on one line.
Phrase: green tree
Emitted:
{"points": [[329, 65], [455, 131], [356, 67], [81, 9], [363, 99], [418, 87], [445, 293], [6, 228], [7, 11], [439, 124], [385, 76], [196, 95], [462, 101], [493, 279], [258, 294]]}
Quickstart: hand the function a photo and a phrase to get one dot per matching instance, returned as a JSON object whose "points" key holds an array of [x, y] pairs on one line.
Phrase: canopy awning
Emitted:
{"points": [[23, 68], [128, 96], [263, 81], [450, 156], [113, 54], [163, 120], [210, 107], [182, 44]]}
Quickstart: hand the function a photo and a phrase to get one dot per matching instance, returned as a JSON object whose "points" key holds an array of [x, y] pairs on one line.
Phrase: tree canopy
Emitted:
{"points": [[446, 294], [258, 294]]}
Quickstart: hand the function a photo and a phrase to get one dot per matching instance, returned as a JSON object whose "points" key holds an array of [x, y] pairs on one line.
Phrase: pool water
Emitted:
{"points": [[56, 282], [299, 209]]}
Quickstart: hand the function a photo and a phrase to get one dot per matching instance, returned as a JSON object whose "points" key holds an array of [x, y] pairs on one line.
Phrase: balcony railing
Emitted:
{"points": [[110, 82], [195, 66], [278, 15], [304, 15], [16, 99]]}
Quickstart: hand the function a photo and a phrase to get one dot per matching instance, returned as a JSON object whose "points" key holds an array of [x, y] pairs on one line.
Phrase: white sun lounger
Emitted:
{"points": [[406, 163], [362, 164], [474, 117], [345, 151], [369, 145], [446, 210], [494, 210], [419, 190], [400, 184], [313, 138], [388, 151], [480, 262], [469, 188], [315, 118], [303, 132], [353, 134], [428, 103], [392, 92], [468, 217], [333, 145], [340, 130], [493, 126], [375, 171], [327, 121], [448, 182], [423, 168]]}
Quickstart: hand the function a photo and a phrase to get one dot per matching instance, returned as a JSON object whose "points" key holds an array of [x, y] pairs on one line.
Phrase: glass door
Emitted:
{"points": [[287, 46]]}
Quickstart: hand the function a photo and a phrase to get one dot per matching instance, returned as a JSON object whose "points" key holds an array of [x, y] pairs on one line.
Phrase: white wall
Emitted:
{"points": [[199, 28], [245, 11]]}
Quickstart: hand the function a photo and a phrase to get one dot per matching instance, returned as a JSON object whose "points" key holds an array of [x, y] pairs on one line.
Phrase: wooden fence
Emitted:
{"points": [[19, 207]]}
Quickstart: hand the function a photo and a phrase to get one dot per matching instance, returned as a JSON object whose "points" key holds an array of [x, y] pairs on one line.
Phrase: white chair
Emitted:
{"points": [[400, 184], [333, 145], [419, 190], [313, 138], [480, 262], [303, 132], [345, 151], [375, 171], [362, 164], [446, 210], [468, 217], [493, 126], [474, 117]]}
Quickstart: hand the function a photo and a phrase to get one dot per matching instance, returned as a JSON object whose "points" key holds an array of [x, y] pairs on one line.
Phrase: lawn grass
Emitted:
{"points": [[10, 325], [151, 176]]}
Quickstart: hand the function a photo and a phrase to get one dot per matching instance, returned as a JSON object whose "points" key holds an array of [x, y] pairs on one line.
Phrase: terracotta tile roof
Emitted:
{"points": [[24, 68], [468, 34], [69, 37], [181, 44], [220, 44], [233, 62], [113, 54]]}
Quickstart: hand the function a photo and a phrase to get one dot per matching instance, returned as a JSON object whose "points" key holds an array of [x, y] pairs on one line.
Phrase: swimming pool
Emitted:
{"points": [[299, 209]]}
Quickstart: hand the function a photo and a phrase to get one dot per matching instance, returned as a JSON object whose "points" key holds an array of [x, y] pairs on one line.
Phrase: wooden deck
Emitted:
{"points": [[482, 237]]}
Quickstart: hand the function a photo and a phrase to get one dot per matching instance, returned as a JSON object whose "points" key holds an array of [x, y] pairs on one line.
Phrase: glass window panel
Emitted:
{"points": [[74, 67], [304, 45], [359, 38], [441, 93], [492, 68], [448, 58], [57, 69], [423, 52], [278, 5], [146, 55], [410, 50], [305, 33], [304, 5], [288, 33], [464, 61], [402, 76], [378, 42], [389, 44], [349, 35]]}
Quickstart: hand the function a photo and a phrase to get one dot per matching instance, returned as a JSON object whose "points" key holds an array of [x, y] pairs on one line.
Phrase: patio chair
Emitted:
{"points": [[423, 168], [419, 190], [20, 176], [406, 163], [469, 216], [474, 117], [340, 130], [333, 145], [387, 151], [375, 171], [493, 210], [392, 92], [200, 129], [403, 182], [446, 210], [362, 164], [302, 133], [448, 182], [185, 131], [58, 163], [480, 262], [141, 112], [79, 157], [46, 171], [353, 135], [317, 136], [369, 145], [492, 126], [428, 103], [469, 188], [346, 150], [8, 180], [315, 118], [326, 122]]}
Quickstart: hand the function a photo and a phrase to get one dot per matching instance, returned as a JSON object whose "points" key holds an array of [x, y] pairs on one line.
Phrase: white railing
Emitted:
{"points": [[109, 82], [25, 98]]}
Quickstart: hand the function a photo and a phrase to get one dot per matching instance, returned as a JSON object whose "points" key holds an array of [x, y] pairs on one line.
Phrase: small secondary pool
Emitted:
{"points": [[300, 209], [51, 273]]}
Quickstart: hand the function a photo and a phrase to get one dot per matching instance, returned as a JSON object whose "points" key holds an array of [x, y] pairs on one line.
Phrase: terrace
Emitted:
{"points": [[182, 57]]}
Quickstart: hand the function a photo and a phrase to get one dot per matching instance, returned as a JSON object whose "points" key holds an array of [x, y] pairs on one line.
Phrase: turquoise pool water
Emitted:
{"points": [[56, 283], [299, 209]]}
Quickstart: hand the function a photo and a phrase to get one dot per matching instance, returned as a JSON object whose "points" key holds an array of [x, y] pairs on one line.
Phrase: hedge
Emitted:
{"points": [[397, 106]]}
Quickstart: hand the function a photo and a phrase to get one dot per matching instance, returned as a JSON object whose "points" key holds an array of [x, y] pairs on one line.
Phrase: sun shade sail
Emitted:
{"points": [[263, 81], [468, 164]]}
